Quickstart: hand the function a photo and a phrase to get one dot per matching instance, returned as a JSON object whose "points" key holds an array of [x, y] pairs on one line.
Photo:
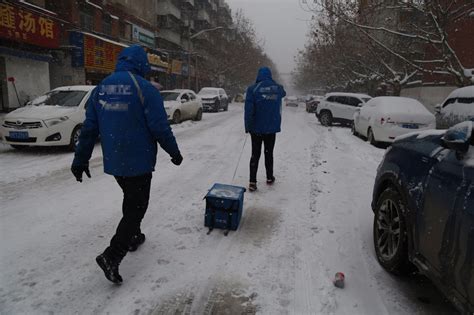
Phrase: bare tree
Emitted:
{"points": [[389, 41]]}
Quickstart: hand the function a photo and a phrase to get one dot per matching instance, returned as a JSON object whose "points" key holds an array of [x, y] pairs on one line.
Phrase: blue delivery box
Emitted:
{"points": [[224, 206]]}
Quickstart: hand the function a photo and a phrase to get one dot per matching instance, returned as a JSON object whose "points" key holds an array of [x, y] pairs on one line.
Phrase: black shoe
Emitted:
{"points": [[271, 180], [110, 268], [136, 241], [252, 186]]}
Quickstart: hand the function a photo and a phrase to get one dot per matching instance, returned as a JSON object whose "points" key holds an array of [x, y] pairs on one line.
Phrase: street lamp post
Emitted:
{"points": [[190, 53]]}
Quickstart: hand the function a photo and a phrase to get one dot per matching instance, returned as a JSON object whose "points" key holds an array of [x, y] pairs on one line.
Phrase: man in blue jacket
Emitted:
{"points": [[263, 121], [128, 114]]}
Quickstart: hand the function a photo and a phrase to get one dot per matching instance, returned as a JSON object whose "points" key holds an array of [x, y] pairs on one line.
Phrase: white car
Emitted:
{"points": [[384, 118], [340, 107], [458, 107], [214, 99], [181, 105], [291, 101], [53, 119]]}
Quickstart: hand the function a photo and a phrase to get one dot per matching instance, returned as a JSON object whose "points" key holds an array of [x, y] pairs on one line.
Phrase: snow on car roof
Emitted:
{"points": [[464, 92], [180, 90], [75, 88], [397, 104], [360, 95]]}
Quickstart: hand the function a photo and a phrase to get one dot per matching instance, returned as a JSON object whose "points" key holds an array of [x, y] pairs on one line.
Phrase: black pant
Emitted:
{"points": [[269, 143], [136, 193]]}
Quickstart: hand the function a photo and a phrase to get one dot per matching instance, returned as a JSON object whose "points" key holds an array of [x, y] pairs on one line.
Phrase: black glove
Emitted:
{"points": [[176, 160], [77, 171]]}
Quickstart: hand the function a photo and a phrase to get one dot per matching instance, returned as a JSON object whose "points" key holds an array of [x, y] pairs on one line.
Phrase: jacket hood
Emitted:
{"points": [[264, 73], [133, 59]]}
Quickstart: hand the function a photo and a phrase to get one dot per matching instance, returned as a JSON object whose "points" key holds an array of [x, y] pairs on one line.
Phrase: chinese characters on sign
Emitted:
{"points": [[23, 26], [100, 55]]}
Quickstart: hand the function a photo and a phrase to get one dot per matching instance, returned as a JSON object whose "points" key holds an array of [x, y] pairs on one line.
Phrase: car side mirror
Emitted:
{"points": [[183, 101], [438, 108], [360, 104], [458, 138]]}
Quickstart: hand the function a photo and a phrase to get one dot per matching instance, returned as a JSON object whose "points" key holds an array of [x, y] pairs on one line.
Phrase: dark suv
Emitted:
{"points": [[423, 202], [214, 99]]}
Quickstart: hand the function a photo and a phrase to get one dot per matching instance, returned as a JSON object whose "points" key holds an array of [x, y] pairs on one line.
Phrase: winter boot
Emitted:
{"points": [[136, 241], [270, 180], [252, 186], [110, 268]]}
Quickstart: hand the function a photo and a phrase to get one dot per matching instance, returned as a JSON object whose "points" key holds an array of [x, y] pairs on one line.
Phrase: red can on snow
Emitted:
{"points": [[339, 280]]}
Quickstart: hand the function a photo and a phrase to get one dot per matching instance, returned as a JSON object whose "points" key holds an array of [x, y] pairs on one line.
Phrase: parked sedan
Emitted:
{"points": [[423, 202], [458, 106], [54, 119], [181, 105], [384, 118], [291, 101]]}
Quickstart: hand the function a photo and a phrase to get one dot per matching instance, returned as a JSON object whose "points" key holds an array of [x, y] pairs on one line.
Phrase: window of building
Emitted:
{"points": [[107, 24], [86, 20], [125, 31]]}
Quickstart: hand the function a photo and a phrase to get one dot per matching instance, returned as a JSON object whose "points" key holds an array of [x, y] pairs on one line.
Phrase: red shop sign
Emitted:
{"points": [[100, 55], [27, 27]]}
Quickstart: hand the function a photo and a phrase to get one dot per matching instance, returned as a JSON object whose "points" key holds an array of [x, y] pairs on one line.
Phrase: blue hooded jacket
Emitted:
{"points": [[129, 117], [263, 104]]}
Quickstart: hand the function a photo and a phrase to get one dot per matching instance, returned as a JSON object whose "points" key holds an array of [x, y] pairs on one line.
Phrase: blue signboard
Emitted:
{"points": [[76, 39]]}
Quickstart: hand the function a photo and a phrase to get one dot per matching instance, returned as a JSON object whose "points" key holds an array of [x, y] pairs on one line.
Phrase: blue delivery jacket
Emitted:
{"points": [[263, 104], [128, 114]]}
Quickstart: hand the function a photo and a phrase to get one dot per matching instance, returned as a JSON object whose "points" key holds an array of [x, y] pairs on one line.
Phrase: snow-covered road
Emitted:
{"points": [[316, 220]]}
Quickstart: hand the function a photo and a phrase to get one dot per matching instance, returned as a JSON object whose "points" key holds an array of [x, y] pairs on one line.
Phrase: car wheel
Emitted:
{"points": [[198, 115], [75, 138], [326, 119], [176, 117], [353, 130], [390, 233], [371, 137]]}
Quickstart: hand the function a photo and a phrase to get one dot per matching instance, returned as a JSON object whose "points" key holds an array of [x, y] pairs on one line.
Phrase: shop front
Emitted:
{"points": [[26, 41], [159, 68]]}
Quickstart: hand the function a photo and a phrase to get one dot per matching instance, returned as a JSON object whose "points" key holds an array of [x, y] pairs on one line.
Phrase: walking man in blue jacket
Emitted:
{"points": [[127, 112], [263, 121]]}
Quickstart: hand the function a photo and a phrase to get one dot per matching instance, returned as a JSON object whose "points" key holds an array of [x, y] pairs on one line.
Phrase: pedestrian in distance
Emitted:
{"points": [[263, 120], [128, 114]]}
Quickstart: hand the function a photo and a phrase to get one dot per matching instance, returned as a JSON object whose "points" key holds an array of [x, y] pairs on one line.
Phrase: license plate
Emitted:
{"points": [[19, 134], [410, 126]]}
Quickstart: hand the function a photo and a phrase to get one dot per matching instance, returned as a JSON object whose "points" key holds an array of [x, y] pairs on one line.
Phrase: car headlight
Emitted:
{"points": [[55, 121]]}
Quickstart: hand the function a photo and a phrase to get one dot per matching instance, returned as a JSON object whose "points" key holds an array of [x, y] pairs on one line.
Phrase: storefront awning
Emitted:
{"points": [[105, 39]]}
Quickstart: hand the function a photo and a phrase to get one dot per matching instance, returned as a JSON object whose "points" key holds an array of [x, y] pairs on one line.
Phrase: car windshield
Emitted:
{"points": [[208, 91], [60, 98], [169, 96]]}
